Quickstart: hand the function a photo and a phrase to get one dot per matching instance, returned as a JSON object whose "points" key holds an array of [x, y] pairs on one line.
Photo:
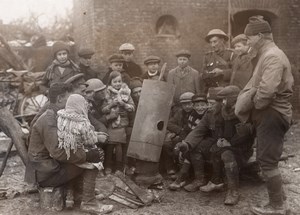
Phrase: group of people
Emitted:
{"points": [[239, 95]]}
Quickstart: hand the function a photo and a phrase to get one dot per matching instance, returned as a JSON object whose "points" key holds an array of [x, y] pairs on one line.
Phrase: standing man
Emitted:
{"points": [[217, 65], [271, 110], [130, 67], [85, 61]]}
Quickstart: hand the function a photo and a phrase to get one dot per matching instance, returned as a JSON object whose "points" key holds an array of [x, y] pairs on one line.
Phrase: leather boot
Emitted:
{"points": [[198, 166], [180, 180], [232, 174], [276, 198], [89, 204]]}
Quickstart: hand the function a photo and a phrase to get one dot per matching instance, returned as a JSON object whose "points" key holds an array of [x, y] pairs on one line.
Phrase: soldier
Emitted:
{"points": [[85, 60], [152, 64], [242, 65], [130, 67], [217, 64], [269, 106]]}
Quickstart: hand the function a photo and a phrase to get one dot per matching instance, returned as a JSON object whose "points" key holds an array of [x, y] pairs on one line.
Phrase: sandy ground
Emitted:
{"points": [[177, 203]]}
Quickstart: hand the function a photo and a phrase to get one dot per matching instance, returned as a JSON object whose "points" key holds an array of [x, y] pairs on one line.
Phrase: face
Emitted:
{"points": [[253, 40], [182, 61], [153, 67], [211, 103], [200, 107], [86, 61], [187, 106], [241, 48], [216, 43], [136, 93], [128, 55], [229, 102], [89, 94], [62, 56], [116, 82], [99, 95], [116, 66], [62, 100]]}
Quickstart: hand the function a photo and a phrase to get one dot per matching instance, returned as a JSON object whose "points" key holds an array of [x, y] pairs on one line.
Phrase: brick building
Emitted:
{"points": [[162, 27]]}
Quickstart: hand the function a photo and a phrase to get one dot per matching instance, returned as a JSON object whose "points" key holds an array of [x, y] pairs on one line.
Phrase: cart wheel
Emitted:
{"points": [[31, 106]]}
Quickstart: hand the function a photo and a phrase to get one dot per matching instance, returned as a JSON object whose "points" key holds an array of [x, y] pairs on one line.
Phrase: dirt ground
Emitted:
{"points": [[177, 203]]}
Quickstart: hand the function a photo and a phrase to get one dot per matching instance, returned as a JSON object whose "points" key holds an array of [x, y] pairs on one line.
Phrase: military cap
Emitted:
{"points": [[151, 59], [75, 78], [116, 58], [184, 53], [186, 97], [257, 25], [86, 52], [216, 32], [213, 91], [229, 91], [199, 98], [94, 84]]}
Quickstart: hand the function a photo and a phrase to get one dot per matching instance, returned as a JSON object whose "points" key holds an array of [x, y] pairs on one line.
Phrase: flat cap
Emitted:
{"points": [[199, 98], [229, 91], [152, 59], [186, 97], [86, 52], [135, 82], [126, 47], [184, 53], [116, 58], [238, 38], [213, 91]]}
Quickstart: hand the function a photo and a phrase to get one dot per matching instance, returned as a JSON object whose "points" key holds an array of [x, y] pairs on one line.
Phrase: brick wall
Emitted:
{"points": [[108, 24]]}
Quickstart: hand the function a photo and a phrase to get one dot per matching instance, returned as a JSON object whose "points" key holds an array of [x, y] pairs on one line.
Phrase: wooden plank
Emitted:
{"points": [[122, 201]]}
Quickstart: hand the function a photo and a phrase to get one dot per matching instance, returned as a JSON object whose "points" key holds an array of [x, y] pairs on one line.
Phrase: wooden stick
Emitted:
{"points": [[122, 201], [162, 71]]}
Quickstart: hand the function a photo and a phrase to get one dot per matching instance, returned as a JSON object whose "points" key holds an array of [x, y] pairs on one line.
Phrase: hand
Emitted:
{"points": [[182, 146], [95, 155], [112, 115], [217, 72], [102, 137], [222, 142]]}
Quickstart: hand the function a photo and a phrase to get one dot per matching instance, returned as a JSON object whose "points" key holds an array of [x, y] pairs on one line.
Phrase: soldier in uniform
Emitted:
{"points": [[217, 65]]}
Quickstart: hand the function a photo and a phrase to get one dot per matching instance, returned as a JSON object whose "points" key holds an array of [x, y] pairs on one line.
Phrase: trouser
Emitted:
{"points": [[66, 173], [120, 150], [167, 156], [270, 130]]}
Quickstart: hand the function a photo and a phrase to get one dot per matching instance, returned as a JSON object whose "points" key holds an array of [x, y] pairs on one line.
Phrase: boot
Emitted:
{"points": [[276, 198], [198, 166], [211, 187], [89, 204], [182, 175], [232, 174]]}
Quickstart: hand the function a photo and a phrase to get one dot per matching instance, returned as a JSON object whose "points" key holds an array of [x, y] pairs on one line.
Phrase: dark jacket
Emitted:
{"points": [[222, 60], [132, 69], [178, 123], [88, 72], [242, 69], [43, 152]]}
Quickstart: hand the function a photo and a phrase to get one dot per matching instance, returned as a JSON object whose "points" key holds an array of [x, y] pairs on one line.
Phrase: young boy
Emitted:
{"points": [[184, 77], [242, 65], [177, 130], [152, 64], [116, 64]]}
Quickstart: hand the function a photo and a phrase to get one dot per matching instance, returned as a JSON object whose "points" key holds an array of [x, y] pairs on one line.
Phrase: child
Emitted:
{"points": [[184, 77], [152, 64], [116, 62], [200, 107], [118, 99], [61, 69], [75, 131]]}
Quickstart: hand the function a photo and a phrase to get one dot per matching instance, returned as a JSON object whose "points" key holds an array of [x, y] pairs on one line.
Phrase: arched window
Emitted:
{"points": [[167, 25]]}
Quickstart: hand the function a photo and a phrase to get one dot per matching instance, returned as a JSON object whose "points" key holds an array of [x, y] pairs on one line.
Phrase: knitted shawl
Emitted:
{"points": [[74, 129]]}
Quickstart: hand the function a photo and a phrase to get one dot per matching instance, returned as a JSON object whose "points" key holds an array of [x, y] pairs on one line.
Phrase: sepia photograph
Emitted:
{"points": [[150, 107]]}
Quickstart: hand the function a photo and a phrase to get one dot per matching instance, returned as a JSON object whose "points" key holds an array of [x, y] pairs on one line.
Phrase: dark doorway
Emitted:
{"points": [[240, 19]]}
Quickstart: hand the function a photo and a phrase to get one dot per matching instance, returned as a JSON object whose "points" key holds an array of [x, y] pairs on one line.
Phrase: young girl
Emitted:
{"points": [[75, 131], [118, 99]]}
